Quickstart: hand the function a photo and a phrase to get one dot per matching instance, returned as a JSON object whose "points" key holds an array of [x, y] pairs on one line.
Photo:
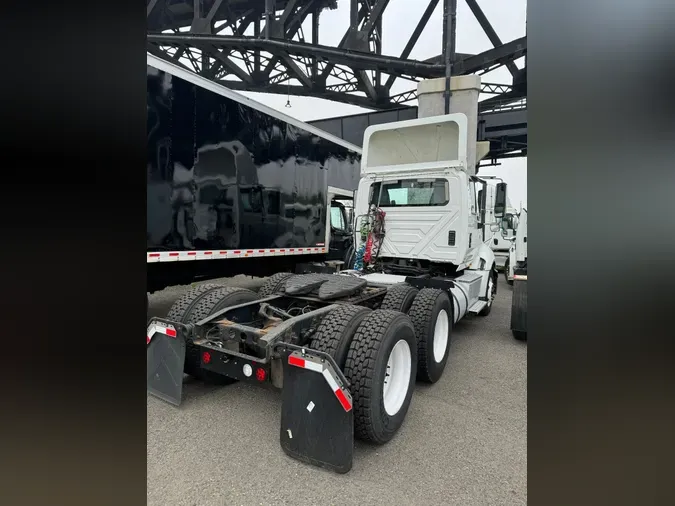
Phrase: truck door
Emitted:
{"points": [[340, 232]]}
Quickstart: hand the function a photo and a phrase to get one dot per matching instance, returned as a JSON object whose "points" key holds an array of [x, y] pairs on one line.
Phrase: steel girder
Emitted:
{"points": [[259, 45]]}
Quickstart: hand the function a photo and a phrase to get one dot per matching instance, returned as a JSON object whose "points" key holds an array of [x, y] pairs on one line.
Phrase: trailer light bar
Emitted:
{"points": [[168, 330], [303, 363]]}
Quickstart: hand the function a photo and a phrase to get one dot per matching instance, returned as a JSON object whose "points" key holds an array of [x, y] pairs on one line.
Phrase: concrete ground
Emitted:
{"points": [[464, 441]]}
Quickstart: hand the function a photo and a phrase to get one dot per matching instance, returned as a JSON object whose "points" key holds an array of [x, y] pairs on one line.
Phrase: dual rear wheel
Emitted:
{"points": [[382, 352]]}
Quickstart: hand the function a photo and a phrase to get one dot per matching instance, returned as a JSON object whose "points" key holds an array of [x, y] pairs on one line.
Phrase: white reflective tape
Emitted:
{"points": [[310, 406], [313, 366], [152, 329], [331, 381]]}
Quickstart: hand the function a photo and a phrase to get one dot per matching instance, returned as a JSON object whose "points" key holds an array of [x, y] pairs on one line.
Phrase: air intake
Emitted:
{"points": [[451, 238]]}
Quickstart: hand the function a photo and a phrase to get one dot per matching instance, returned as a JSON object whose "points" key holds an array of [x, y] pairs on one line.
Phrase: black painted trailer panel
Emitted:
{"points": [[223, 175]]}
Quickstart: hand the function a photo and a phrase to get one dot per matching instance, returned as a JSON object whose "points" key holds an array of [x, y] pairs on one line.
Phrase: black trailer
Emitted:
{"points": [[231, 182]]}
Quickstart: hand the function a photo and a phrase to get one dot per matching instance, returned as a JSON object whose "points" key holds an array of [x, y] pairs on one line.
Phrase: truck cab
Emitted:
{"points": [[414, 177]]}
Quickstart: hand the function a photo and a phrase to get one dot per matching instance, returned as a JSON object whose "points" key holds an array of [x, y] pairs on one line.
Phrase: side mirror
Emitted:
{"points": [[500, 200], [508, 226], [494, 227]]}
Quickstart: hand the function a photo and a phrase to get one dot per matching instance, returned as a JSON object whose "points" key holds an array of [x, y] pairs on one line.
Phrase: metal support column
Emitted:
{"points": [[449, 35]]}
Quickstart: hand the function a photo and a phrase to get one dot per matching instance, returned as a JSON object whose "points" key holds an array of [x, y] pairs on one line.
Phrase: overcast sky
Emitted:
{"points": [[399, 20]]}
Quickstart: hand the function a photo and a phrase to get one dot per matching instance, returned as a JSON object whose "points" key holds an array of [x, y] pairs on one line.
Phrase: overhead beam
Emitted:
{"points": [[301, 91], [375, 15], [489, 31], [232, 67], [492, 57], [355, 59], [414, 38], [290, 7], [354, 26], [299, 74]]}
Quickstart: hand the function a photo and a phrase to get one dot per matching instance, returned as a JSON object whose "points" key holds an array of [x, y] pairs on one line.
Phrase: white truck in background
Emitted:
{"points": [[509, 232], [498, 244], [514, 229]]}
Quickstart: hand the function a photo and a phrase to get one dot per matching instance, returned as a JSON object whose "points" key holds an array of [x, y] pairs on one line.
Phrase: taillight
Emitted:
{"points": [[260, 374], [206, 357]]}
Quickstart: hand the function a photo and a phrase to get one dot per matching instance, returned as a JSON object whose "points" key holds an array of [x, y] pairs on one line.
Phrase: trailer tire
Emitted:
{"points": [[336, 331], [369, 359], [274, 284], [490, 293], [210, 303], [399, 298], [432, 316]]}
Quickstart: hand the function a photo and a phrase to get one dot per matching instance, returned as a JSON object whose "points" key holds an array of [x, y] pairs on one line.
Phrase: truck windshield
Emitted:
{"points": [[410, 192]]}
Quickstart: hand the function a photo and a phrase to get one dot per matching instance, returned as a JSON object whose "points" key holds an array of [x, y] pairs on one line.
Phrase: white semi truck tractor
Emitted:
{"points": [[346, 348]]}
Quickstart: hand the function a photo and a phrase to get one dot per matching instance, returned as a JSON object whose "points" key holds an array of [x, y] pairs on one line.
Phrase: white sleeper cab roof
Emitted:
{"points": [[437, 142]]}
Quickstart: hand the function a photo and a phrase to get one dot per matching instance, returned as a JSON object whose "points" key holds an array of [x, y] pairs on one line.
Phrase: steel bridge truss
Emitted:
{"points": [[260, 46]]}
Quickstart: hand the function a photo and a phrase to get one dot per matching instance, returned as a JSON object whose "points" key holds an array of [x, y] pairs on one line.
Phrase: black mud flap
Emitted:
{"points": [[166, 359], [317, 419]]}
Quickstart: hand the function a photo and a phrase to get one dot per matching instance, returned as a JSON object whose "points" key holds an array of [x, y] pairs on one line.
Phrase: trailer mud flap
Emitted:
{"points": [[317, 419], [165, 360]]}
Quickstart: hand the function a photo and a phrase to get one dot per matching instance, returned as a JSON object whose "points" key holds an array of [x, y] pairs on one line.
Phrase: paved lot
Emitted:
{"points": [[464, 441]]}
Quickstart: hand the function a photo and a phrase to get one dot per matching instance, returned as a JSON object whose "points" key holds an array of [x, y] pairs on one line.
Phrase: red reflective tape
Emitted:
{"points": [[154, 254], [223, 252], [236, 252], [192, 253], [291, 249], [208, 252], [261, 251], [148, 341], [298, 362], [299, 249], [273, 251], [173, 254], [249, 251], [282, 250], [343, 400], [170, 332]]}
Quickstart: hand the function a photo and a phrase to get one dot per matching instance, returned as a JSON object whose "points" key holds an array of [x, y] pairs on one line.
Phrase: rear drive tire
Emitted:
{"points": [[431, 314], [490, 293], [380, 367], [336, 331], [182, 307], [274, 284], [399, 298], [212, 302]]}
